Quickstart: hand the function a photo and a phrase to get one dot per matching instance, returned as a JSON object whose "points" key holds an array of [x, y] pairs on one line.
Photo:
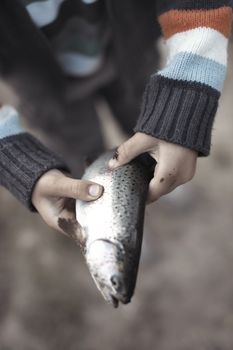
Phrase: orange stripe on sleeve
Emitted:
{"points": [[175, 21]]}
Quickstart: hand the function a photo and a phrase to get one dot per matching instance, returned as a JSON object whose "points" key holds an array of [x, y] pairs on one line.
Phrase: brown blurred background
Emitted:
{"points": [[184, 294]]}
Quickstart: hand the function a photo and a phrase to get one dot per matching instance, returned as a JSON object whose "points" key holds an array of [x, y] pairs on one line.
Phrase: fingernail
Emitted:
{"points": [[94, 190], [112, 163]]}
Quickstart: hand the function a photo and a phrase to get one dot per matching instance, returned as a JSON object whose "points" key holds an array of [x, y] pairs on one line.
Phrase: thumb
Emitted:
{"points": [[126, 152], [76, 189]]}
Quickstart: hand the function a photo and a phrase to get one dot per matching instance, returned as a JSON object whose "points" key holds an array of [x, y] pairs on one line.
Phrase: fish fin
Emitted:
{"points": [[81, 239]]}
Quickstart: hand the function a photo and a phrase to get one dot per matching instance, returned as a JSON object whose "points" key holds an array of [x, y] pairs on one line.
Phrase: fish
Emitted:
{"points": [[112, 226]]}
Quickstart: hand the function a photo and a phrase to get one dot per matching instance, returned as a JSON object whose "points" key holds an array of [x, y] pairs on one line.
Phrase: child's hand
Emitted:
{"points": [[176, 164], [54, 198]]}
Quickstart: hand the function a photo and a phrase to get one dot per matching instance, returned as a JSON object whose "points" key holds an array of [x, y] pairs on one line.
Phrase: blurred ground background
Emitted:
{"points": [[184, 294]]}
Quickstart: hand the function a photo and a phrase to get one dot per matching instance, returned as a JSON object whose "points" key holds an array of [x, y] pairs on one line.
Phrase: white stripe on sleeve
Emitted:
{"points": [[202, 41]]}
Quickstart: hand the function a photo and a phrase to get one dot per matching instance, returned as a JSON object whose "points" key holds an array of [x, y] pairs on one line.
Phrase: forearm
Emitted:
{"points": [[181, 100], [23, 159]]}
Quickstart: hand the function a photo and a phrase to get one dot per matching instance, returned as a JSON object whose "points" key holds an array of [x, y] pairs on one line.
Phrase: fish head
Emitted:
{"points": [[106, 261]]}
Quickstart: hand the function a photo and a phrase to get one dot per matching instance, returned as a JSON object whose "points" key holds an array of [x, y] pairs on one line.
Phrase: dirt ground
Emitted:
{"points": [[184, 294]]}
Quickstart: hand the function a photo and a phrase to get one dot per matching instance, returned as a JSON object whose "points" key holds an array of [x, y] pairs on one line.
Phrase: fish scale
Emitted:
{"points": [[112, 226]]}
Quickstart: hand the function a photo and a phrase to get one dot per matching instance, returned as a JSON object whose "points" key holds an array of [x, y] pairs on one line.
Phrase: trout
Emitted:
{"points": [[112, 226]]}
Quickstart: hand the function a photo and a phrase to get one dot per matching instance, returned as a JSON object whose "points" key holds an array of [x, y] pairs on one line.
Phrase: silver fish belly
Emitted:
{"points": [[112, 227]]}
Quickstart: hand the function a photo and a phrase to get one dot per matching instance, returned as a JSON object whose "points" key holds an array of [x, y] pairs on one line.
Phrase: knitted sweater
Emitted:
{"points": [[181, 100], [179, 103]]}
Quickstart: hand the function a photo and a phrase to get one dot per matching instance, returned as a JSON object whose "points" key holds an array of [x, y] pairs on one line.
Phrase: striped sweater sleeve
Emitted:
{"points": [[23, 159], [181, 100]]}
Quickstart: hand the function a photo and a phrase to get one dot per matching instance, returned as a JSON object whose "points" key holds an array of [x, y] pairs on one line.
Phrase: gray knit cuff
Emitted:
{"points": [[179, 112], [23, 160]]}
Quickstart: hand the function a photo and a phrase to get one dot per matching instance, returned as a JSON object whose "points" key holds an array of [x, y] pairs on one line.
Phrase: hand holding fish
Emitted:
{"points": [[176, 165], [54, 198]]}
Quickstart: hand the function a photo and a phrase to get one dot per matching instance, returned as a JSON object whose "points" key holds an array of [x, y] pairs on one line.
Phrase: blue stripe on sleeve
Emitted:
{"points": [[187, 66], [9, 122]]}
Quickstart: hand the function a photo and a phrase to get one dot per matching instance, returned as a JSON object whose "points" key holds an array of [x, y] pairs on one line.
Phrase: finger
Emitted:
{"points": [[64, 223], [156, 190], [164, 181], [137, 144], [68, 226], [50, 218], [76, 189]]}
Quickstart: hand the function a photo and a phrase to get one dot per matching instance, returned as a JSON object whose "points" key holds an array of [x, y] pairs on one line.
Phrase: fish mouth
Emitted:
{"points": [[117, 298], [114, 302], [112, 297], [120, 290]]}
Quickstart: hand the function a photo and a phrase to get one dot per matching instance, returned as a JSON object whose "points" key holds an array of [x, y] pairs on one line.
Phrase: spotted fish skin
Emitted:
{"points": [[112, 226]]}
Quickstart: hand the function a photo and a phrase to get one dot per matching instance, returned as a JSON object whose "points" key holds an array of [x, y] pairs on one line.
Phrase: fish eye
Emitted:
{"points": [[113, 280], [116, 282]]}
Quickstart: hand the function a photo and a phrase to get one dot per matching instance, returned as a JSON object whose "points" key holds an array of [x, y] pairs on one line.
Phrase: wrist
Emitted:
{"points": [[179, 112]]}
